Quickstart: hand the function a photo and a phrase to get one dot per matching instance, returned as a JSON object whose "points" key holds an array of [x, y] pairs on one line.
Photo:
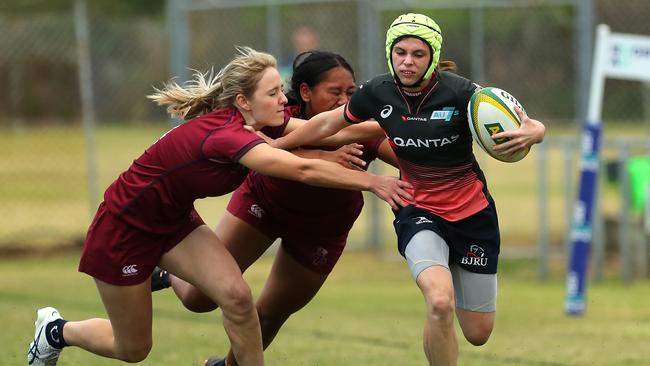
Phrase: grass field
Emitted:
{"points": [[368, 313]]}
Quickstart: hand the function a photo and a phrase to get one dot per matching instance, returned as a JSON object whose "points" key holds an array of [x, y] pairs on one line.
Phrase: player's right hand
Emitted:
{"points": [[392, 190]]}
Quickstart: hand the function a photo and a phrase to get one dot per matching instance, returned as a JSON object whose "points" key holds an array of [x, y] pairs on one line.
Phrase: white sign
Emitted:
{"points": [[628, 57], [619, 56]]}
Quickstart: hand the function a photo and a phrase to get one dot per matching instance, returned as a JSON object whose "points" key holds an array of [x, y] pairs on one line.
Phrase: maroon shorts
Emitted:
{"points": [[119, 254], [307, 238]]}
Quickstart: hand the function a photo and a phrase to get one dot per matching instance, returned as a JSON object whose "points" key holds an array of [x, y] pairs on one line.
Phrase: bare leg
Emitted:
{"points": [[202, 259], [127, 335], [476, 326], [289, 287], [440, 343], [245, 243]]}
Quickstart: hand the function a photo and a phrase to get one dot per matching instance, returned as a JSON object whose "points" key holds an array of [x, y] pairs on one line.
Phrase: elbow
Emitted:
{"points": [[306, 172]]}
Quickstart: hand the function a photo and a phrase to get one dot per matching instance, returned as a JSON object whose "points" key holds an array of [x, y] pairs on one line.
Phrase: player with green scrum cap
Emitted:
{"points": [[449, 233], [418, 26]]}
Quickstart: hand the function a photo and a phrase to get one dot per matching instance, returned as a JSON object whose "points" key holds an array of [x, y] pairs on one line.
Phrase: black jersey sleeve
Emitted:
{"points": [[361, 105], [463, 88], [468, 90]]}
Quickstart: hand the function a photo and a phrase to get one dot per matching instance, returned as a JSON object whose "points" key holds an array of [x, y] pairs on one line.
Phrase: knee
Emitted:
{"points": [[238, 300], [441, 306], [478, 334], [133, 353]]}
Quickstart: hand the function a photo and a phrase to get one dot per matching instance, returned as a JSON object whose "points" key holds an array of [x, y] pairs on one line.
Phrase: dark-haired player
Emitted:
{"points": [[449, 233]]}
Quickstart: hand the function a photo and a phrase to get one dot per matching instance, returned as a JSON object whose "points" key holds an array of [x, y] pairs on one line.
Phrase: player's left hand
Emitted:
{"points": [[348, 156], [530, 132]]}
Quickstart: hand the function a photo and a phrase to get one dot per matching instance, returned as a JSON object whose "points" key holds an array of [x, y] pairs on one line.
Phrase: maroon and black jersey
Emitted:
{"points": [[191, 161], [431, 138]]}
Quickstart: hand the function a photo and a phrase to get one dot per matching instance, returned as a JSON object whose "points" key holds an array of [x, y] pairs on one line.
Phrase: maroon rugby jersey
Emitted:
{"points": [[331, 210], [194, 160]]}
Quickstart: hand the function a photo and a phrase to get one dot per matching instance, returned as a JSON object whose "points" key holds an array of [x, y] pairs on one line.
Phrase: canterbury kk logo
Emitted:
{"points": [[130, 270], [256, 211]]}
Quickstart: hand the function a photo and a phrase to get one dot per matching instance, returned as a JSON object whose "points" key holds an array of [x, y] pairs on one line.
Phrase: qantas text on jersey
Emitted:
{"points": [[424, 143]]}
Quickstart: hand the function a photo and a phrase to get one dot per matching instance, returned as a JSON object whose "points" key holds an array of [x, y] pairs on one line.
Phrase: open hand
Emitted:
{"points": [[392, 190], [348, 156]]}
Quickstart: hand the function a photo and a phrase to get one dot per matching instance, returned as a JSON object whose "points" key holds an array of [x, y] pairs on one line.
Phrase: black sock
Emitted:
{"points": [[164, 279], [54, 333]]}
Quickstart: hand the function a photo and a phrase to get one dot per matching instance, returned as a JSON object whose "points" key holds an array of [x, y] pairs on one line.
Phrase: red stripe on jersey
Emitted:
{"points": [[351, 117], [452, 193]]}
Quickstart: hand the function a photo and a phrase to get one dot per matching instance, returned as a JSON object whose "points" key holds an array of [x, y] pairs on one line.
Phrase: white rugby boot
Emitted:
{"points": [[41, 353]]}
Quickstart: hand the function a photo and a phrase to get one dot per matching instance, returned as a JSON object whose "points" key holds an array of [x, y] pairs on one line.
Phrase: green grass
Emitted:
{"points": [[368, 313]]}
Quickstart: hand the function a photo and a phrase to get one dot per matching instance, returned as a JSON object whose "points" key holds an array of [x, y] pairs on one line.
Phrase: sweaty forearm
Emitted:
{"points": [[310, 153], [355, 133], [307, 134], [331, 175]]}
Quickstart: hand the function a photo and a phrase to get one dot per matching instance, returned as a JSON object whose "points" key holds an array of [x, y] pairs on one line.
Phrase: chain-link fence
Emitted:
{"points": [[538, 50]]}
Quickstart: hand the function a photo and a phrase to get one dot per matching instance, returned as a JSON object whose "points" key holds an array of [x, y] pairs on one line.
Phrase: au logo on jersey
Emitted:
{"points": [[493, 129], [445, 114]]}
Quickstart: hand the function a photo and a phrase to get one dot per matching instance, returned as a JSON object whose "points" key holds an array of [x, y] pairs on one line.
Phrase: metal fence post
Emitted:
{"points": [[584, 24], [568, 149], [178, 44], [542, 230], [87, 97], [626, 263], [273, 28], [477, 41]]}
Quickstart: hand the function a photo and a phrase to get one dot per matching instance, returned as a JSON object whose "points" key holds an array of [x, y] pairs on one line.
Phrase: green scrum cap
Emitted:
{"points": [[419, 26]]}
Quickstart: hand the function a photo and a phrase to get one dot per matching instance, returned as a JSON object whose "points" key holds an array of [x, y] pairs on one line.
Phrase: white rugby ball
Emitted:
{"points": [[490, 111]]}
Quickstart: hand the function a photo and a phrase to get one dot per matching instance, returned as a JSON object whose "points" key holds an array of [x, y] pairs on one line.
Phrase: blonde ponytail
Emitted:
{"points": [[206, 91], [194, 99]]}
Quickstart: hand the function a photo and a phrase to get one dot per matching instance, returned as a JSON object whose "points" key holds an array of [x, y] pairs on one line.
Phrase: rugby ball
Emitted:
{"points": [[490, 111]]}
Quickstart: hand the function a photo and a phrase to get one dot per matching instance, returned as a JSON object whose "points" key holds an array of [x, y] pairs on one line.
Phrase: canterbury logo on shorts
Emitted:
{"points": [[256, 211], [130, 270]]}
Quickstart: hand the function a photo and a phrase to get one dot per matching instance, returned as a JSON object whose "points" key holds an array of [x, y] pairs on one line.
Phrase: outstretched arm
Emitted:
{"points": [[347, 156], [317, 128], [387, 155], [283, 164], [354, 133]]}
